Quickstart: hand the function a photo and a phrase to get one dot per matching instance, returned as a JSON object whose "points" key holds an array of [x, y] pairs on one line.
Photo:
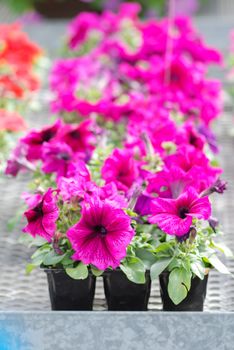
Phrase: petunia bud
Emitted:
{"points": [[192, 234], [55, 243], [219, 186], [213, 222]]}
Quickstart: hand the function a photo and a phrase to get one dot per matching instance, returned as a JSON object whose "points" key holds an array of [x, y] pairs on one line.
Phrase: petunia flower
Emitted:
{"points": [[42, 215], [120, 167], [175, 216], [170, 183], [57, 157], [80, 138], [35, 139], [101, 236]]}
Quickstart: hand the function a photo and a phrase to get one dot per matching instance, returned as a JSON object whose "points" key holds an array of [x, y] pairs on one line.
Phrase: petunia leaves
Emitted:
{"points": [[198, 268], [146, 257], [217, 264], [179, 284], [52, 258], [159, 267], [80, 272], [95, 271], [134, 270]]}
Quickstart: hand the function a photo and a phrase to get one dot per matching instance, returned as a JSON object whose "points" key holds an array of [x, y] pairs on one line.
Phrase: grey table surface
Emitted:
{"points": [[20, 293]]}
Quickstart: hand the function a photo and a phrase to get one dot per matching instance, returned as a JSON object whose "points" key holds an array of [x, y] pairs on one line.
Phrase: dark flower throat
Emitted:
{"points": [[100, 230]]}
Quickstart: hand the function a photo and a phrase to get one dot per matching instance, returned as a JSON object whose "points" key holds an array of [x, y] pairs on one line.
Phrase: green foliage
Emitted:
{"points": [[158, 267], [19, 6], [80, 272], [134, 269], [179, 284]]}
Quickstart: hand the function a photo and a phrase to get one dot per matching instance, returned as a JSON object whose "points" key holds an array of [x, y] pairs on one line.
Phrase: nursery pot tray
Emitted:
{"points": [[67, 293], [61, 8], [124, 295], [194, 300]]}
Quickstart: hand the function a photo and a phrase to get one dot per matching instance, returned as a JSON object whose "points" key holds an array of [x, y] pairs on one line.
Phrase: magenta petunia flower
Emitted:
{"points": [[80, 138], [171, 183], [57, 157], [174, 216], [101, 236], [120, 168], [35, 139], [42, 215]]}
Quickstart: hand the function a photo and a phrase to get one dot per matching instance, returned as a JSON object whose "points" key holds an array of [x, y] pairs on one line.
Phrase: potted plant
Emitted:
{"points": [[187, 248], [82, 227], [80, 239]]}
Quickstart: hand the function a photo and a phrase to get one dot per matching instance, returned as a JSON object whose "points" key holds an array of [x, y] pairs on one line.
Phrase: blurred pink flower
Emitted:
{"points": [[120, 168], [42, 215]]}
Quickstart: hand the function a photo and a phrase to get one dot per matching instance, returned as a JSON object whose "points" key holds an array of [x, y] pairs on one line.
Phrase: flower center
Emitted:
{"points": [[182, 212], [100, 230], [64, 156], [47, 135], [37, 212], [75, 134]]}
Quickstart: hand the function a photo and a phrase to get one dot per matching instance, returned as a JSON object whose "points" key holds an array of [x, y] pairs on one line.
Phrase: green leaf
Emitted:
{"points": [[96, 272], [39, 255], [134, 270], [198, 269], [162, 247], [159, 267], [80, 272], [30, 241], [223, 248], [30, 268], [67, 261], [179, 285], [52, 258], [217, 264], [146, 257]]}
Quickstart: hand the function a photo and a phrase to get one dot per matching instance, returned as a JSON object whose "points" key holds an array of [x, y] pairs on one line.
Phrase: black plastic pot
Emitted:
{"points": [[124, 295], [69, 294], [61, 8], [194, 300]]}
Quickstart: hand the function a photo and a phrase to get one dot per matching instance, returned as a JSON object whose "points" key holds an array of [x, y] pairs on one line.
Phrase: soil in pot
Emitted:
{"points": [[194, 300], [67, 293], [61, 8], [124, 295]]}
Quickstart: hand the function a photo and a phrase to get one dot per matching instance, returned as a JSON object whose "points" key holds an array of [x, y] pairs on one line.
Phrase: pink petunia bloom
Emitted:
{"points": [[42, 215], [175, 216], [195, 163], [101, 236], [171, 183], [17, 161], [188, 134], [80, 28], [35, 139], [76, 189], [121, 168], [80, 138], [57, 157]]}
